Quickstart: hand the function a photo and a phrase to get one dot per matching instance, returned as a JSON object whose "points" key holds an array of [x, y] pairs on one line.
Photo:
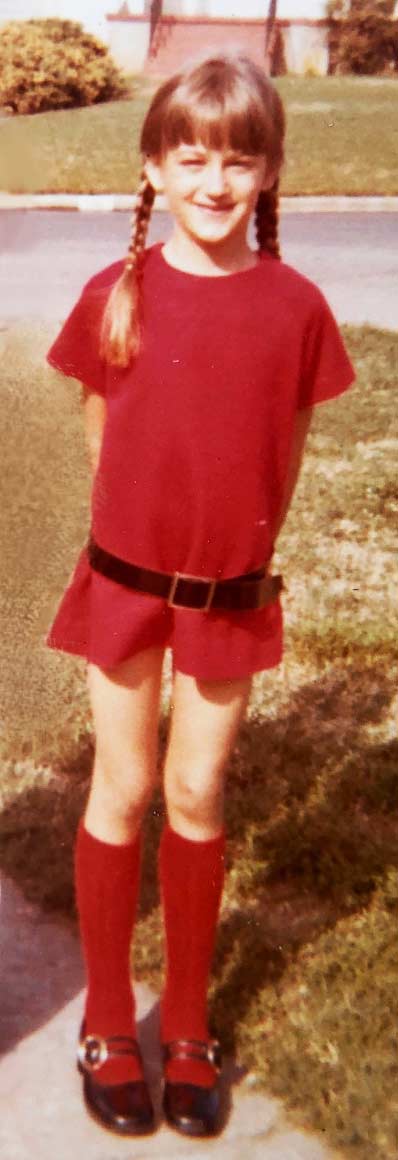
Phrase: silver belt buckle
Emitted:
{"points": [[198, 580]]}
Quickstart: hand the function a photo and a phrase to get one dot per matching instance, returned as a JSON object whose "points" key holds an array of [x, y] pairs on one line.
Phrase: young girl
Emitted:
{"points": [[200, 360]]}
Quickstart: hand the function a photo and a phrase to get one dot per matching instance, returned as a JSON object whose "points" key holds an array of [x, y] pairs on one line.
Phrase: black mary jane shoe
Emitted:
{"points": [[125, 1108], [191, 1108]]}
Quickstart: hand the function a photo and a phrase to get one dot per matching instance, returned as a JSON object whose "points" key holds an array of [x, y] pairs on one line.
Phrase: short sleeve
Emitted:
{"points": [[326, 368], [75, 351]]}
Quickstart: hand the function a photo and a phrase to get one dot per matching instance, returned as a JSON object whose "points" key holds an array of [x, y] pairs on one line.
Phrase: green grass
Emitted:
{"points": [[329, 1028], [342, 135], [305, 980], [342, 139]]}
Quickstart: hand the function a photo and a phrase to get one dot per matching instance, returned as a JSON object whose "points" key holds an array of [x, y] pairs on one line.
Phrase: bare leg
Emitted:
{"points": [[125, 707], [206, 719]]}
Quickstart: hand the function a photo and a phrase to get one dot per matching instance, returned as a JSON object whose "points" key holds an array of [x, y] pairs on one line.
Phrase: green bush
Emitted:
{"points": [[54, 64], [363, 38]]}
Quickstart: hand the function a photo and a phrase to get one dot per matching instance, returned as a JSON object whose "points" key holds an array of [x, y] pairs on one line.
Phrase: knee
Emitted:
{"points": [[125, 788], [194, 793]]}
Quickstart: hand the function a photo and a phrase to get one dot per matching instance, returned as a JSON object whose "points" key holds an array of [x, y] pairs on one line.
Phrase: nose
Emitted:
{"points": [[215, 178]]}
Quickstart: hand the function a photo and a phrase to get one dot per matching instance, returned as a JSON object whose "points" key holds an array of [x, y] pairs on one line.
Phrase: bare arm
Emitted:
{"points": [[94, 422], [301, 429]]}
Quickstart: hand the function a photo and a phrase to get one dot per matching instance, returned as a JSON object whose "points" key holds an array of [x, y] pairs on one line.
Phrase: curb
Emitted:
{"points": [[109, 202]]}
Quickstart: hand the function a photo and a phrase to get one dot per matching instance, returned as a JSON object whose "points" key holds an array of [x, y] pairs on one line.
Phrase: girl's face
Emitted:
{"points": [[211, 193]]}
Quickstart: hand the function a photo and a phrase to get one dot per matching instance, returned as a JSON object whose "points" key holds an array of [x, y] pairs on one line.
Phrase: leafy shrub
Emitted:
{"points": [[54, 64], [363, 38]]}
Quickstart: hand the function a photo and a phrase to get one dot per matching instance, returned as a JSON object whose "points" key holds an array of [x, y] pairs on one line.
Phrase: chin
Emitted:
{"points": [[212, 234], [212, 238]]}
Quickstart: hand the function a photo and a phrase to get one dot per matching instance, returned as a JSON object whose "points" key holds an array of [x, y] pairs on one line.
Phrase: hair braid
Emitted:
{"points": [[140, 222], [121, 324], [267, 220]]}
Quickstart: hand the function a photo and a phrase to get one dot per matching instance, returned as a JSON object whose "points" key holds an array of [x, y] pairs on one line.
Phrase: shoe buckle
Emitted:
{"points": [[92, 1052], [214, 1054]]}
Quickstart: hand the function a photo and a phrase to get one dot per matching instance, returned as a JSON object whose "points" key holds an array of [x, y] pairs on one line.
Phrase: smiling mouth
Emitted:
{"points": [[214, 208]]}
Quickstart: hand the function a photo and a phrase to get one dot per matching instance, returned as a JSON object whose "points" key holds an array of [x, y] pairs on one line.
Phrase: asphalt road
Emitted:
{"points": [[45, 257]]}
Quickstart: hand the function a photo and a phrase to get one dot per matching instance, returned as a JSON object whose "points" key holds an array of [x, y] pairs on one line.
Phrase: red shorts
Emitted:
{"points": [[107, 623]]}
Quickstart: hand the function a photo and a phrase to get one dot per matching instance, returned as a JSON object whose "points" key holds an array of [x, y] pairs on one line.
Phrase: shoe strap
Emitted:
{"points": [[94, 1050], [185, 1049]]}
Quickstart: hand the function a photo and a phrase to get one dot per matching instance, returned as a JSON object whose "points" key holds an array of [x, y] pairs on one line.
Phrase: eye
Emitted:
{"points": [[190, 159], [240, 162]]}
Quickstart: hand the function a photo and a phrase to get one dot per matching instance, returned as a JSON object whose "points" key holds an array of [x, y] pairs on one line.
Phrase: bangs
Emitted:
{"points": [[216, 123], [223, 104]]}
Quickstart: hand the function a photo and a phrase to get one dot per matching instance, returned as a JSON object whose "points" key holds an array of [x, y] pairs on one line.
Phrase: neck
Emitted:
{"points": [[194, 257]]}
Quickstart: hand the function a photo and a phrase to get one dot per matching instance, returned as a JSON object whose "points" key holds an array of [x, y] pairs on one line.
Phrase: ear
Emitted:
{"points": [[154, 174]]}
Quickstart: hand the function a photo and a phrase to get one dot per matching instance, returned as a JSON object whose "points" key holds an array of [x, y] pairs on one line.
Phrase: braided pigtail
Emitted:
{"points": [[267, 220], [121, 324]]}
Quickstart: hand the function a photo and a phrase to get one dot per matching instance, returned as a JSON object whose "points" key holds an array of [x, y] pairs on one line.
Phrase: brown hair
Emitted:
{"points": [[224, 101]]}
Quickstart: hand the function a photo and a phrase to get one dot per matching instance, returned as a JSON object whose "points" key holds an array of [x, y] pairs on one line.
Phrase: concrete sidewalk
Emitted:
{"points": [[110, 202], [41, 1108]]}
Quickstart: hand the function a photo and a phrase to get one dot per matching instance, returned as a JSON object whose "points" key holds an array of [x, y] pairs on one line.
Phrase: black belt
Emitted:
{"points": [[241, 593]]}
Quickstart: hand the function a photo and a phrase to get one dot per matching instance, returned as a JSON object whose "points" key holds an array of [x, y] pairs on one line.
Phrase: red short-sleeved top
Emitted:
{"points": [[198, 430]]}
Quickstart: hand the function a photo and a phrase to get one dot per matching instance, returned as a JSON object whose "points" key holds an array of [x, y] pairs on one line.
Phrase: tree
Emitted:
{"points": [[363, 37], [155, 16], [270, 35]]}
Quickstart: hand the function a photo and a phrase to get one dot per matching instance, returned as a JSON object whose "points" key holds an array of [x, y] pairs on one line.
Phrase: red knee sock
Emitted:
{"points": [[107, 879], [192, 875]]}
